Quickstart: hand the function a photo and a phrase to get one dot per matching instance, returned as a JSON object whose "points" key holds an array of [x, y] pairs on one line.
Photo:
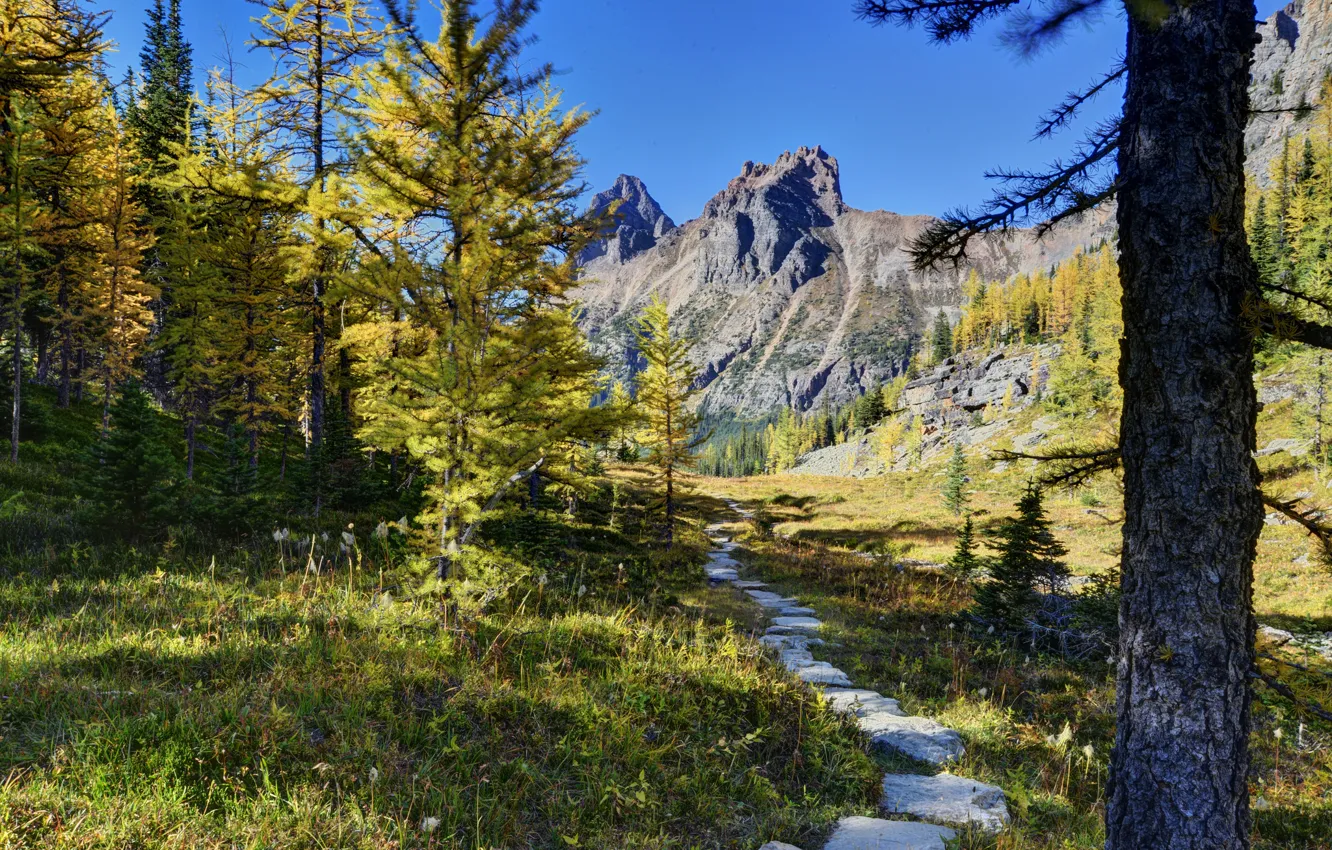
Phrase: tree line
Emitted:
{"points": [[354, 274]]}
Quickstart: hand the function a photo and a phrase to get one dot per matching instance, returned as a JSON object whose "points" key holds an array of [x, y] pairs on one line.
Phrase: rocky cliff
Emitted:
{"points": [[793, 297], [1290, 62]]}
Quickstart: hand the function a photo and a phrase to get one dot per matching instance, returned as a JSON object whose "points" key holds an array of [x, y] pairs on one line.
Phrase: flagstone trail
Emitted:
{"points": [[940, 803]]}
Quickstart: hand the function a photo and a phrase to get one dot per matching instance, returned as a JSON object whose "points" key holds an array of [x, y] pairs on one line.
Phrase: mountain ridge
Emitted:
{"points": [[793, 297]]}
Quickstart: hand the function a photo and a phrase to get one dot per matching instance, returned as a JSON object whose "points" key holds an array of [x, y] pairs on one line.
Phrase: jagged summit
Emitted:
{"points": [[807, 178], [792, 297], [641, 220]]}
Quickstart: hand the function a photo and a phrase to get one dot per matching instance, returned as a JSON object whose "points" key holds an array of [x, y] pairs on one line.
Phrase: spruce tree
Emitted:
{"points": [[1027, 562], [131, 468], [955, 484], [665, 390], [941, 342], [965, 563], [159, 110]]}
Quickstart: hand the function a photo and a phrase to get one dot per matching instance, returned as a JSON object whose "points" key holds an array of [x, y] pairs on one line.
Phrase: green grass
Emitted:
{"points": [[584, 689], [1039, 726]]}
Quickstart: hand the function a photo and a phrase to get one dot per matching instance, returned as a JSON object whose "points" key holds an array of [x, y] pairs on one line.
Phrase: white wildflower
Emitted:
{"points": [[1276, 733], [348, 539], [374, 775], [990, 630], [1089, 752], [582, 590], [277, 536], [429, 824], [402, 523], [381, 530], [984, 692], [323, 535], [541, 580]]}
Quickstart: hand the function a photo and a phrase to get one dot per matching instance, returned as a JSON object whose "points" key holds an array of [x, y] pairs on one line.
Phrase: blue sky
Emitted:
{"points": [[687, 90]]}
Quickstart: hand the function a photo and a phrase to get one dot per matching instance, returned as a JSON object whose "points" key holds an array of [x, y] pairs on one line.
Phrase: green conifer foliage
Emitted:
{"points": [[955, 485], [965, 563], [665, 390], [131, 468], [469, 357], [941, 342], [1027, 562]]}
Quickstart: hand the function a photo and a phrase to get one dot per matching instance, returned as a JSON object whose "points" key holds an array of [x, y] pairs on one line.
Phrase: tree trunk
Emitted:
{"points": [[17, 376], [1178, 777], [190, 428]]}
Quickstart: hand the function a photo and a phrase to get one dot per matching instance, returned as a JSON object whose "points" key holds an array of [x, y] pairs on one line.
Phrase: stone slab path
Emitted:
{"points": [[940, 803]]}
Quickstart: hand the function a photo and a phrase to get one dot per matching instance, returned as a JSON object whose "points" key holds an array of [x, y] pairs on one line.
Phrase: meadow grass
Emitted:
{"points": [[200, 693], [1038, 725]]}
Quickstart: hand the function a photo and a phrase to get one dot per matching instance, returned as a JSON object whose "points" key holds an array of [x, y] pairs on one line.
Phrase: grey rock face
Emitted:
{"points": [[860, 833], [793, 297], [1289, 64], [951, 800], [640, 221]]}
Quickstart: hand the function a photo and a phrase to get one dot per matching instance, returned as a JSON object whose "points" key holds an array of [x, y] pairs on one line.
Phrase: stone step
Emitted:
{"points": [[919, 738], [860, 833], [862, 703], [823, 673], [796, 611], [800, 623], [749, 585], [946, 799], [781, 642]]}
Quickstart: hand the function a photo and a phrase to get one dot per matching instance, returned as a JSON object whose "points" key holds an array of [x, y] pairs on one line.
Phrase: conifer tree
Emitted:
{"points": [[120, 296], [158, 112], [319, 47], [130, 470], [1027, 561], [941, 342], [470, 357], [665, 390], [955, 484], [965, 564]]}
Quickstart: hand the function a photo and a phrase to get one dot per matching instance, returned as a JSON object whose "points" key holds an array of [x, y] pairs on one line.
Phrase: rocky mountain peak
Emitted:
{"points": [[640, 221], [809, 177], [1289, 66]]}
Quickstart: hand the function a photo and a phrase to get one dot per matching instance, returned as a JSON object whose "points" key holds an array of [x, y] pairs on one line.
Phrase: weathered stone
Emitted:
{"points": [[1280, 637], [795, 611], [778, 845], [823, 673], [918, 738], [946, 799], [769, 599], [861, 833], [862, 703], [749, 585], [802, 623], [794, 659]]}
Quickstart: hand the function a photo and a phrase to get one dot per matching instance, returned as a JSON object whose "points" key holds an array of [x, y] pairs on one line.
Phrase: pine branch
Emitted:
{"points": [[1065, 189], [1072, 466], [1283, 325], [1301, 667], [945, 20], [1029, 33], [1311, 519], [1285, 690], [1059, 117]]}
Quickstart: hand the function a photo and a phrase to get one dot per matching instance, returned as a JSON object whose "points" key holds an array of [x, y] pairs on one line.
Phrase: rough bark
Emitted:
{"points": [[1192, 505]]}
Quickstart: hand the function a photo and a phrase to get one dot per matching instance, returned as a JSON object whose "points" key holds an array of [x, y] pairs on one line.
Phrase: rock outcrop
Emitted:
{"points": [[1290, 63], [793, 297]]}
